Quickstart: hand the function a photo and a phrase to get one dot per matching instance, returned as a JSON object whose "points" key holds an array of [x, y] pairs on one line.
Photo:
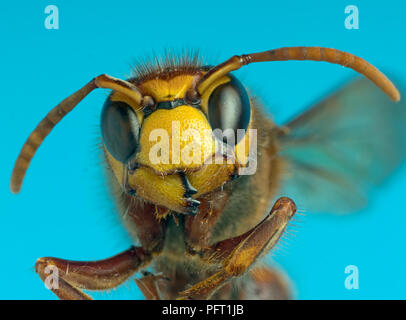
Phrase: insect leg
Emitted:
{"points": [[237, 254], [198, 228], [265, 283], [65, 278], [148, 285], [261, 283]]}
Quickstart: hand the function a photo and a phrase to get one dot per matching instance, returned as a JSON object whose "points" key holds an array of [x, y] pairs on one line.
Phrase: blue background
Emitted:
{"points": [[64, 209]]}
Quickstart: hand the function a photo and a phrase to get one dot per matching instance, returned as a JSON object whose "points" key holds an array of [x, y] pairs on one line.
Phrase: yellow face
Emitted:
{"points": [[177, 158]]}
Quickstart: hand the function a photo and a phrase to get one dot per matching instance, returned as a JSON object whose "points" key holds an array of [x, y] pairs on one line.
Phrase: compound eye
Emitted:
{"points": [[120, 130], [229, 110]]}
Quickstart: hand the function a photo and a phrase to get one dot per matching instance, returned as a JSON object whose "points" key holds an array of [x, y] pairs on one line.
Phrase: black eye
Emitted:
{"points": [[120, 129], [229, 110]]}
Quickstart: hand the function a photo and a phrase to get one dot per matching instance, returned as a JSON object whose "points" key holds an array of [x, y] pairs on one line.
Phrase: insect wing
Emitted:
{"points": [[339, 150]]}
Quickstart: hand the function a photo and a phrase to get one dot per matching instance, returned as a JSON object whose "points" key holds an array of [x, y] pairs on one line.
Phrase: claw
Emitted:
{"points": [[189, 189], [193, 206]]}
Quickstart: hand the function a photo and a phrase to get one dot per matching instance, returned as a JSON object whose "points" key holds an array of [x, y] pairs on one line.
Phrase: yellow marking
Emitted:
{"points": [[206, 95], [210, 177], [175, 139], [240, 261], [153, 182], [205, 288], [162, 90], [165, 191], [242, 148], [117, 96], [126, 88]]}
